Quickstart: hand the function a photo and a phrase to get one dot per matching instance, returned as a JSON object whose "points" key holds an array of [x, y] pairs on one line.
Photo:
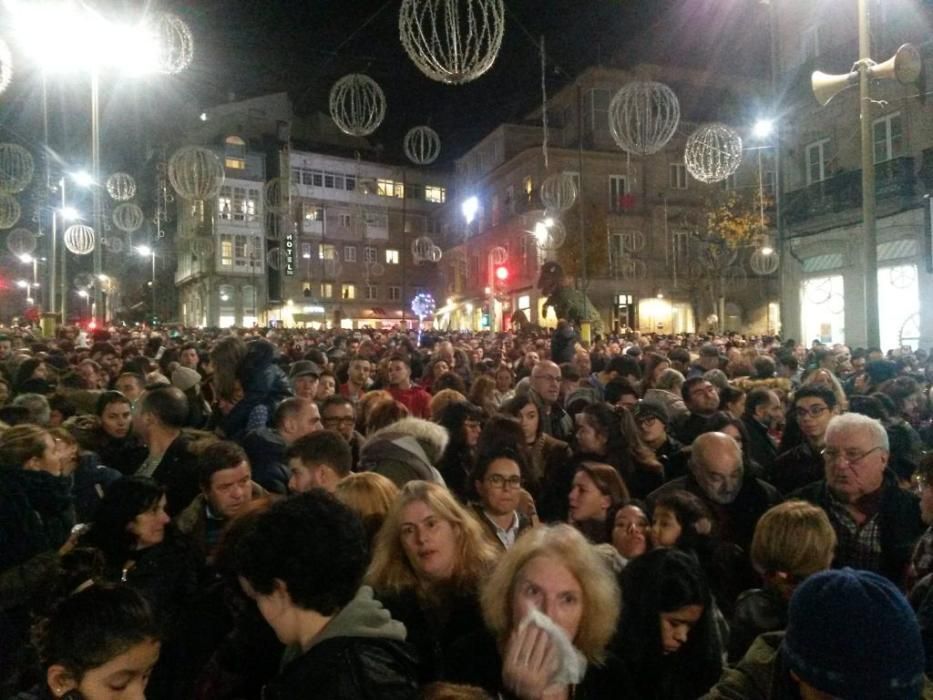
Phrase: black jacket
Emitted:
{"points": [[761, 447], [796, 468], [901, 524], [178, 473], [266, 448], [264, 384], [689, 427]]}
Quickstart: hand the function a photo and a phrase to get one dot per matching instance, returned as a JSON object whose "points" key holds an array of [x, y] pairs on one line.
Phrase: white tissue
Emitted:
{"points": [[572, 664]]}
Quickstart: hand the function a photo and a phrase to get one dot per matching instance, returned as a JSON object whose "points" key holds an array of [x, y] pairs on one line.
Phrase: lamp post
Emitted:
{"points": [[147, 251]]}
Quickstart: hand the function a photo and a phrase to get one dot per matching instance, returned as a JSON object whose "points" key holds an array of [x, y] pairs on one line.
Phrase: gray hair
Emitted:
{"points": [[852, 422], [38, 406], [670, 380]]}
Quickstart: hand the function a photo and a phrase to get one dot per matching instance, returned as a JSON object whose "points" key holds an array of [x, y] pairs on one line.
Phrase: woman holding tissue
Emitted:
{"points": [[550, 608]]}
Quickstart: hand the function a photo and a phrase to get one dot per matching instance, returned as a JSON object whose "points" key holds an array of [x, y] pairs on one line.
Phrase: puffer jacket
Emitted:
{"points": [[264, 385]]}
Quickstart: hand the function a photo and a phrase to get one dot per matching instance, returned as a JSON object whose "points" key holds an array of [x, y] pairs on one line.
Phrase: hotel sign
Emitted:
{"points": [[290, 254]]}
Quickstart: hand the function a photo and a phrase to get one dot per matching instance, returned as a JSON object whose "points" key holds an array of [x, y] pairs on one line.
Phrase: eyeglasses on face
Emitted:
{"points": [[812, 412], [852, 457], [500, 482]]}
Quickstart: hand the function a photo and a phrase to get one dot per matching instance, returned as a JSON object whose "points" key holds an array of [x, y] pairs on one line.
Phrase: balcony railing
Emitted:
{"points": [[893, 179]]}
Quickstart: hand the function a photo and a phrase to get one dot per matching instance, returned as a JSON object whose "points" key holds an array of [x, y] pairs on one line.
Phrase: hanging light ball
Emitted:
{"points": [[21, 241], [121, 187], [422, 145], [80, 239], [128, 217], [175, 44], [9, 210], [275, 258], [558, 192], [764, 263], [452, 41], [498, 255], [549, 233], [435, 254], [357, 104], [6, 66], [196, 173], [278, 195], [421, 249], [114, 244], [713, 153], [16, 168], [643, 117], [423, 304]]}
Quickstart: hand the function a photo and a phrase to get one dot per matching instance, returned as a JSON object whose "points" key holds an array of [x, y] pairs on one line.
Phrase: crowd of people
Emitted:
{"points": [[278, 514]]}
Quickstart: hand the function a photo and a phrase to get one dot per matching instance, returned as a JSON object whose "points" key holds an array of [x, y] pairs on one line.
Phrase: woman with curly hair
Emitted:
{"points": [[428, 561]]}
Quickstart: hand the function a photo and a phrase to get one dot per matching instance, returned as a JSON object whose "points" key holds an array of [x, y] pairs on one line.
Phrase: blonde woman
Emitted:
{"points": [[556, 571], [428, 561], [370, 495]]}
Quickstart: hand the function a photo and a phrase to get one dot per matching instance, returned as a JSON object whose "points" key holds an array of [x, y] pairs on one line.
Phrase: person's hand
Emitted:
{"points": [[70, 543], [530, 662]]}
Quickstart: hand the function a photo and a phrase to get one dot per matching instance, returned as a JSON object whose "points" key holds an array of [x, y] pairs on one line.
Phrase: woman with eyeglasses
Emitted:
{"points": [[498, 479]]}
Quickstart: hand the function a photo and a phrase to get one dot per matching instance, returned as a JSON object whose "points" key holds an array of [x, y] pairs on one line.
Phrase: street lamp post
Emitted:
{"points": [[147, 251]]}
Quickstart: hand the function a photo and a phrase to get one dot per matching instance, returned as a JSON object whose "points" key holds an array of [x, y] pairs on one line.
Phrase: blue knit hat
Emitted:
{"points": [[853, 635]]}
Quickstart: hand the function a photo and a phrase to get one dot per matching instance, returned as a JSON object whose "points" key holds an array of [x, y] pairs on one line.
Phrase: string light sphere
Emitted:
{"points": [[6, 66], [423, 305], [114, 244], [435, 254], [422, 145], [643, 117], [10, 210], [357, 104], [275, 258], [713, 153], [498, 255], [278, 195], [196, 173], [549, 233], [16, 168], [558, 192], [121, 187], [421, 249], [175, 44], [764, 263], [452, 41], [80, 239], [128, 217], [21, 241]]}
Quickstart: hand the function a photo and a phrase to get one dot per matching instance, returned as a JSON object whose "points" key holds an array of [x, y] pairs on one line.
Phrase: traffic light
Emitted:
{"points": [[502, 273]]}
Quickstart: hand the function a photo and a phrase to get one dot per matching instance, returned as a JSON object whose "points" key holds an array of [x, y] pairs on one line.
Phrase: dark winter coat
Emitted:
{"points": [[178, 473], [761, 446], [266, 448], [796, 468], [264, 385], [89, 482]]}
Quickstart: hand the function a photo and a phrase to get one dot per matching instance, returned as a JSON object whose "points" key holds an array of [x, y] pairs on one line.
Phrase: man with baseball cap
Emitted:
{"points": [[303, 376], [652, 420]]}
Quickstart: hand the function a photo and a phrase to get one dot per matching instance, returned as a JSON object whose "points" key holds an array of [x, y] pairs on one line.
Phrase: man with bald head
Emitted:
{"points": [[544, 390], [717, 477]]}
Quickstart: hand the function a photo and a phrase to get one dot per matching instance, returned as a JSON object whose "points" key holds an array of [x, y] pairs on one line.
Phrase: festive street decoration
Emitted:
{"points": [[114, 244], [558, 192], [121, 187], [16, 168], [278, 195], [21, 241], [9, 210], [423, 305], [452, 41], [643, 117], [498, 255], [175, 44], [549, 233], [376, 269], [275, 258], [6, 66], [357, 104], [422, 249], [422, 145], [83, 280], [764, 263], [713, 153], [80, 239], [128, 217], [196, 173]]}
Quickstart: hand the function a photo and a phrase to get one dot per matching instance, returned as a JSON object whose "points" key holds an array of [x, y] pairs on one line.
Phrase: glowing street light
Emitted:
{"points": [[469, 208], [22, 284], [763, 129], [26, 258], [767, 250], [83, 178]]}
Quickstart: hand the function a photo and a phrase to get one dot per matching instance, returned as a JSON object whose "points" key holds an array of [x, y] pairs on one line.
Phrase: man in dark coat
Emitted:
{"points": [[762, 412], [293, 418], [702, 400]]}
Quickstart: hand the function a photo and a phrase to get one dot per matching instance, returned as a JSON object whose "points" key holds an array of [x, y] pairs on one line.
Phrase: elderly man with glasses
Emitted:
{"points": [[876, 522]]}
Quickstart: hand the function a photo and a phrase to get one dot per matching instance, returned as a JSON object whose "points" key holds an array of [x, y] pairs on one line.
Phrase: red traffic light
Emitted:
{"points": [[502, 273]]}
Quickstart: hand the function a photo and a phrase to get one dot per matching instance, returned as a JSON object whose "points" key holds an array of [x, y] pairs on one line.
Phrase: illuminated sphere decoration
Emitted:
{"points": [[435, 254], [558, 192], [175, 44], [80, 239], [423, 305], [376, 269], [422, 145], [16, 168], [452, 41], [6, 66], [128, 217], [549, 233], [10, 210], [713, 153], [498, 255], [357, 104], [421, 248], [763, 264], [21, 241], [278, 195], [114, 244], [643, 117], [121, 187], [275, 258], [196, 173]]}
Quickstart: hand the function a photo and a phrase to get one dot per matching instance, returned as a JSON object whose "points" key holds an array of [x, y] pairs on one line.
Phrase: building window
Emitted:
{"points": [[391, 256], [817, 160], [369, 254], [350, 182], [326, 251], [432, 193], [617, 191], [344, 220], [312, 212], [575, 176], [349, 253], [371, 292], [390, 188], [249, 305], [395, 293], [510, 198], [677, 174], [305, 250], [597, 109], [528, 187], [225, 203], [327, 290], [888, 137], [235, 153], [348, 291], [226, 250]]}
